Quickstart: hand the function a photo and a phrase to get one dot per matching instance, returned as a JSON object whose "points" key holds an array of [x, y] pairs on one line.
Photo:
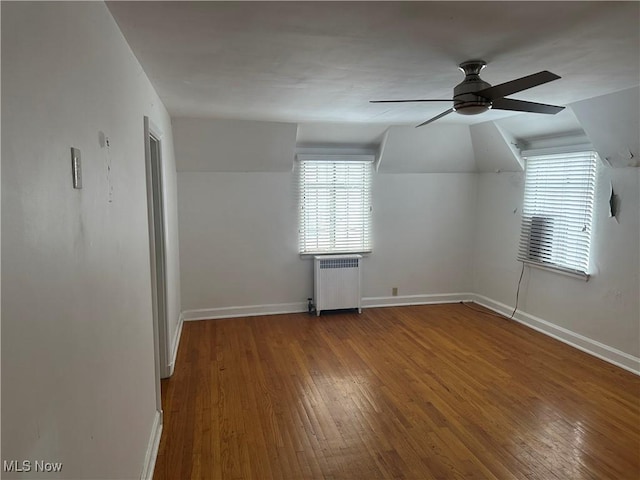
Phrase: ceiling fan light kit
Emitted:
{"points": [[473, 95]]}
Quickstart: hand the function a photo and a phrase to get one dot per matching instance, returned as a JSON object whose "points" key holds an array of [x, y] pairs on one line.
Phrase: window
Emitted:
{"points": [[335, 204], [558, 210]]}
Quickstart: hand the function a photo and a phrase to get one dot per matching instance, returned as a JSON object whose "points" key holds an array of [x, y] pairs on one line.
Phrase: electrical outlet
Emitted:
{"points": [[394, 291]]}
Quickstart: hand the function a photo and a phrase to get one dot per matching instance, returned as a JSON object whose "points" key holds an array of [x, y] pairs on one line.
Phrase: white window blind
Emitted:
{"points": [[335, 206], [558, 210]]}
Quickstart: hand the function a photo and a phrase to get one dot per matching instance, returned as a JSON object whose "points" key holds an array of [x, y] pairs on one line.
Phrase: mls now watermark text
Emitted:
{"points": [[31, 466]]}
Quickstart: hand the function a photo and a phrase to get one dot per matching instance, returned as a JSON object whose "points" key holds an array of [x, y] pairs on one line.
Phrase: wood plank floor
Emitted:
{"points": [[425, 392]]}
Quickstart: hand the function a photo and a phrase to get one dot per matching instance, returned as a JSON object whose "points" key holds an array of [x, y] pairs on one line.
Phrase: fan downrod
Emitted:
{"points": [[472, 67]]}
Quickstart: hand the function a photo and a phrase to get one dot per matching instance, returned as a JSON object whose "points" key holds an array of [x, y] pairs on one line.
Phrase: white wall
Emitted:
{"points": [[494, 149], [172, 245], [328, 135], [423, 227], [77, 344], [612, 123], [436, 148], [606, 308], [238, 230], [238, 214], [212, 145], [238, 240]]}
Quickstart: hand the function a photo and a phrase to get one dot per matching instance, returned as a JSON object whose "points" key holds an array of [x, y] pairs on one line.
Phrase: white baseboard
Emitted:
{"points": [[404, 300], [278, 308], [174, 346], [246, 311], [152, 448], [592, 347]]}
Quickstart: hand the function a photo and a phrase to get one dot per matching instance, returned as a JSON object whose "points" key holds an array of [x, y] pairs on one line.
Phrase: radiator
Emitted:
{"points": [[337, 282]]}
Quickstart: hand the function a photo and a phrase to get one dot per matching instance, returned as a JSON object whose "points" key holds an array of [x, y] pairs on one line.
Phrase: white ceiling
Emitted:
{"points": [[324, 61]]}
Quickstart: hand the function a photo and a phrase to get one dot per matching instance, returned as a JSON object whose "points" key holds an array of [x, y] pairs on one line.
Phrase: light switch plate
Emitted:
{"points": [[76, 168]]}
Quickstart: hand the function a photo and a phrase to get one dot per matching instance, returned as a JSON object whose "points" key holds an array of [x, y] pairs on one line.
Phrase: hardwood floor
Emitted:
{"points": [[425, 392]]}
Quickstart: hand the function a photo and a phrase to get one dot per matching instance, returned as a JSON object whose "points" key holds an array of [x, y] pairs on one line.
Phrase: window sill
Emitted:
{"points": [[311, 255], [561, 271]]}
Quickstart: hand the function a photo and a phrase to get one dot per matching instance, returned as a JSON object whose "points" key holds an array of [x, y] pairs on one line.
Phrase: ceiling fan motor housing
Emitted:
{"points": [[465, 101]]}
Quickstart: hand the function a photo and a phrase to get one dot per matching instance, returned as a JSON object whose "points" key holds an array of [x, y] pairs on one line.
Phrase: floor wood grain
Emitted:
{"points": [[425, 392]]}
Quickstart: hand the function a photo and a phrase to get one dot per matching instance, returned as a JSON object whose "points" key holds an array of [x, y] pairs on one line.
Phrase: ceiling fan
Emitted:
{"points": [[473, 95]]}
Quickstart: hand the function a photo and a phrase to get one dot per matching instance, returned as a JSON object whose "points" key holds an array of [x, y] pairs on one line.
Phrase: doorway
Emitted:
{"points": [[156, 219]]}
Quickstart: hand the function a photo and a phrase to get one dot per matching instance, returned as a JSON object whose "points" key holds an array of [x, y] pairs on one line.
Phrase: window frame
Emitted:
{"points": [[335, 246], [566, 197]]}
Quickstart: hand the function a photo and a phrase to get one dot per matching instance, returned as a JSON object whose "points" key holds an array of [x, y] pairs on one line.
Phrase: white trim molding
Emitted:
{"points": [[244, 311], [280, 308], [405, 300], [587, 345], [335, 157], [175, 345], [152, 448]]}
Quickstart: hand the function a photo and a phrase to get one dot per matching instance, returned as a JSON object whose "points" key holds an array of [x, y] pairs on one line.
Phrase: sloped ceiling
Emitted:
{"points": [[338, 135], [495, 150], [429, 150], [218, 145], [612, 123], [323, 61]]}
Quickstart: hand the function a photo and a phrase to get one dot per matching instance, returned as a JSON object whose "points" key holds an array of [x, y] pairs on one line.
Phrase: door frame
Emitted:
{"points": [[157, 252]]}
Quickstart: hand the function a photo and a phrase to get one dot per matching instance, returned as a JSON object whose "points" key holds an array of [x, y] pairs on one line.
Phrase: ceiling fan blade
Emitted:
{"points": [[522, 106], [517, 85], [405, 101], [436, 117]]}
